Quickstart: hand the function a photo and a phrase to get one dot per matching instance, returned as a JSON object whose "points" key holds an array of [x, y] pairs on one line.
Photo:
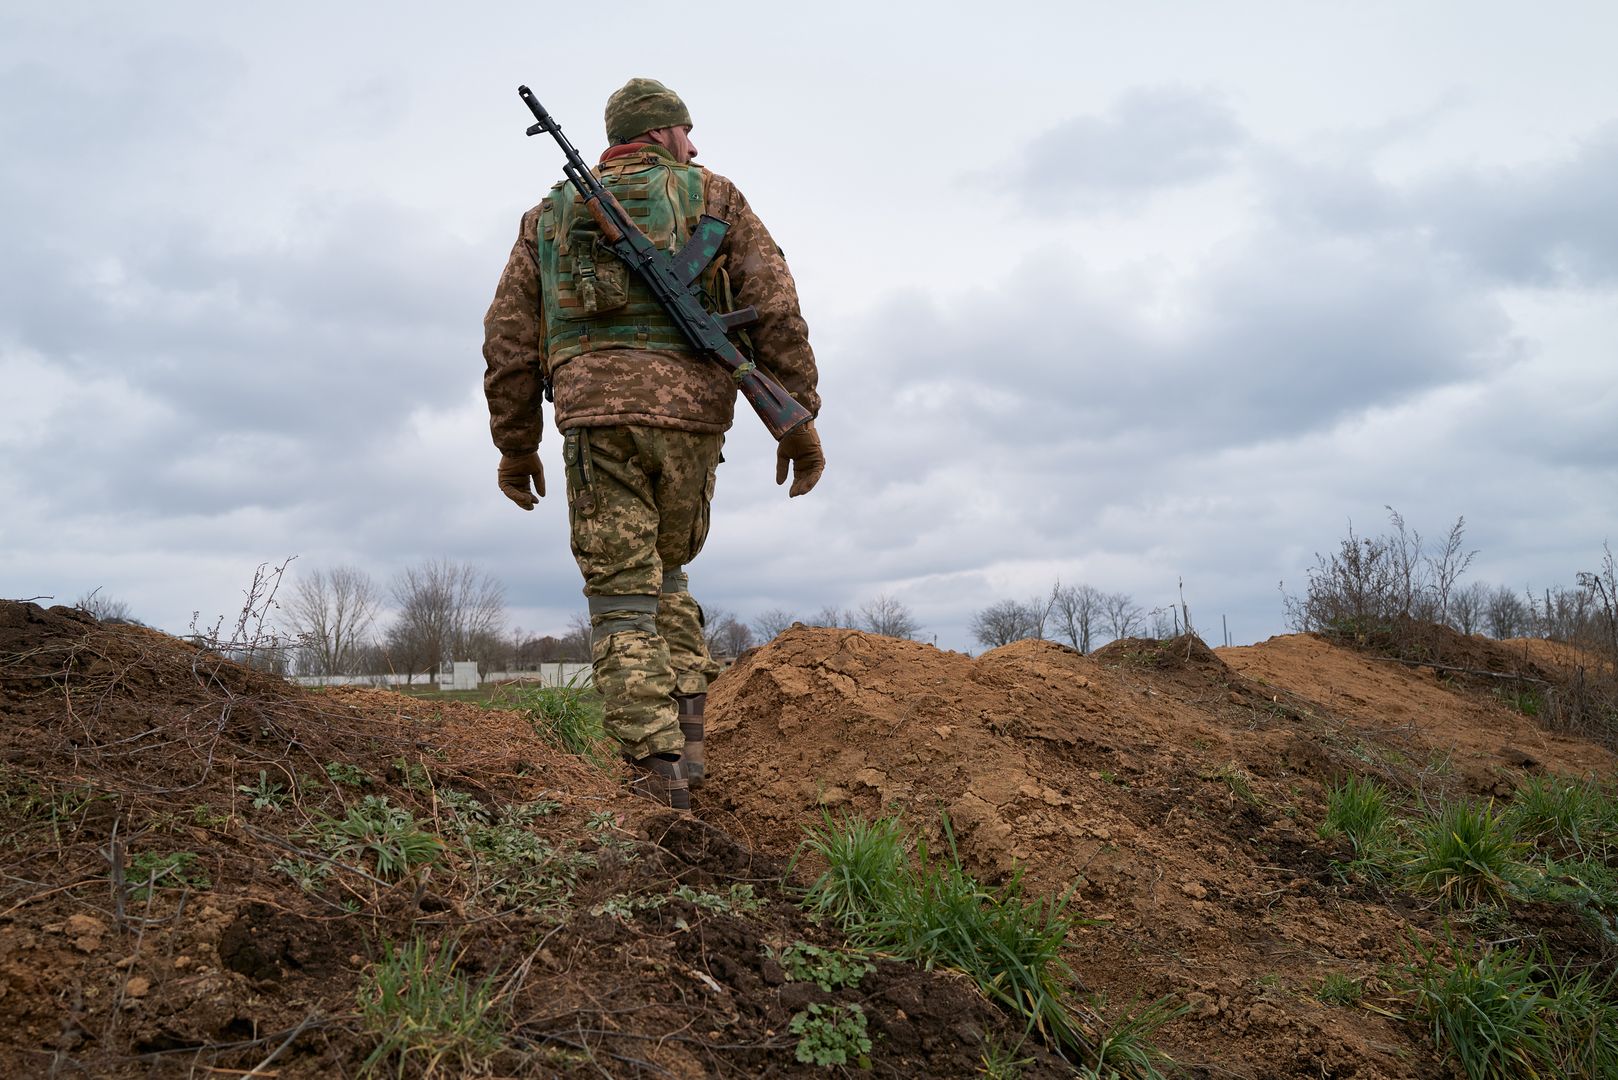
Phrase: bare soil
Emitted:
{"points": [[1174, 790]]}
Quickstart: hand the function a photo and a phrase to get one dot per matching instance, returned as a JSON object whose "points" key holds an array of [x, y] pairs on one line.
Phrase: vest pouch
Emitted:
{"points": [[600, 278]]}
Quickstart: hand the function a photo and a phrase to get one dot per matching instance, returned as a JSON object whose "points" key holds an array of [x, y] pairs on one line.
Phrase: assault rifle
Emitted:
{"points": [[672, 278]]}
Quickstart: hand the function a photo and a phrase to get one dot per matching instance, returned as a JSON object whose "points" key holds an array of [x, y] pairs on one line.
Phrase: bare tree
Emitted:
{"points": [[769, 624], [888, 616], [833, 616], [105, 608], [331, 611], [1120, 615], [1077, 611], [577, 641], [1468, 606], [1446, 567], [1001, 623], [447, 610], [1602, 586], [1506, 614], [1040, 607], [726, 635]]}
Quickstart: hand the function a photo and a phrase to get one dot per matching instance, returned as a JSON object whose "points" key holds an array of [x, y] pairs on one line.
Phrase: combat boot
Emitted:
{"points": [[694, 757], [662, 780]]}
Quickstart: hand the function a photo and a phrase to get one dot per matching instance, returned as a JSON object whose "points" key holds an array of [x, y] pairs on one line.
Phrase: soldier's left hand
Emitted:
{"points": [[516, 470], [800, 448]]}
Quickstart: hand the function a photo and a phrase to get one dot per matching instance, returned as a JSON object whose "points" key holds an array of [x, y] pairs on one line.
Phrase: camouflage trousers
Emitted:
{"points": [[638, 504]]}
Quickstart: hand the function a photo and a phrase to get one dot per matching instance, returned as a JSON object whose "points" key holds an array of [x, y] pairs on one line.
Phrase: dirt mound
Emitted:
{"points": [[196, 883], [1175, 789]]}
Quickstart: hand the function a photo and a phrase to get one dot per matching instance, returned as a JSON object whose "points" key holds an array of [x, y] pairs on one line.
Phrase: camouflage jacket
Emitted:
{"points": [[678, 390]]}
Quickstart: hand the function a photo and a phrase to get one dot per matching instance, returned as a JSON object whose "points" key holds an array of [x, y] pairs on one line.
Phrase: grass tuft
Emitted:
{"points": [[1357, 808], [427, 1019], [567, 716], [1482, 1009], [1465, 852]]}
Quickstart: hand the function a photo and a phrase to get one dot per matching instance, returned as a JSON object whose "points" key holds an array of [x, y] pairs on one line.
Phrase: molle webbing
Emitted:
{"points": [[676, 581], [591, 299]]}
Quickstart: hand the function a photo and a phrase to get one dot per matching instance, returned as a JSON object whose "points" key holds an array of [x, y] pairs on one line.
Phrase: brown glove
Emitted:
{"points": [[801, 447], [515, 471]]}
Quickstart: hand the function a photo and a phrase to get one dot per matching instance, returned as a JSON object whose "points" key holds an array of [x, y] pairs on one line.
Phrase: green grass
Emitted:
{"points": [[1504, 1014], [864, 862], [1481, 1010], [566, 716], [1357, 808], [426, 1018], [931, 912], [1125, 1049], [1339, 989], [1465, 852], [1569, 819]]}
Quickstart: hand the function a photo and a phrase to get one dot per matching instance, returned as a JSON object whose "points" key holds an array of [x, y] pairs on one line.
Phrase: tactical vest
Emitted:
{"points": [[592, 300]]}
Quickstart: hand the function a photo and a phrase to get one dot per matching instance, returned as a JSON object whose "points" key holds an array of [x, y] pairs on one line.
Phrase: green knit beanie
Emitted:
{"points": [[643, 105]]}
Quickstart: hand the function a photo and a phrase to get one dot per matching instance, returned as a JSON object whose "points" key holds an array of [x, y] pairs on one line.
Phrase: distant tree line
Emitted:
{"points": [[437, 611], [1081, 615]]}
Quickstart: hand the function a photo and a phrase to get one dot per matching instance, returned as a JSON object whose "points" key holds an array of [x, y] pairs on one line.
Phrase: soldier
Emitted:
{"points": [[642, 415]]}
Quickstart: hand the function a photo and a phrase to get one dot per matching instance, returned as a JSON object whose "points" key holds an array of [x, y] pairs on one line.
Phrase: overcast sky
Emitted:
{"points": [[1121, 294]]}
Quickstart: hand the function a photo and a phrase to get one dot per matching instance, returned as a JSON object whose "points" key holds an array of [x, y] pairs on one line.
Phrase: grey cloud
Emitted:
{"points": [[1279, 337], [1542, 224], [1150, 139]]}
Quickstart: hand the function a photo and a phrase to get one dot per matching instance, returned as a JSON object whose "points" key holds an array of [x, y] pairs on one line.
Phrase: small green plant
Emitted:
{"points": [[207, 817], [413, 775], [826, 968], [176, 870], [738, 899], [1526, 700], [426, 1016], [1235, 778], [267, 794], [528, 812], [390, 834], [1339, 989], [1000, 1062], [864, 863], [1465, 852], [1357, 808], [347, 775], [309, 876], [832, 1035], [1482, 1008], [568, 716], [1125, 1048]]}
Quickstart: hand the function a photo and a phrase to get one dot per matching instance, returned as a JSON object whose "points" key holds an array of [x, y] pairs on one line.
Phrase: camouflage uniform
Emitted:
{"points": [[643, 429]]}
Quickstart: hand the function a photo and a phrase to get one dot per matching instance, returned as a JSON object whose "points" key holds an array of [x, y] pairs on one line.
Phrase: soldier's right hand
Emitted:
{"points": [[800, 449], [516, 470]]}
